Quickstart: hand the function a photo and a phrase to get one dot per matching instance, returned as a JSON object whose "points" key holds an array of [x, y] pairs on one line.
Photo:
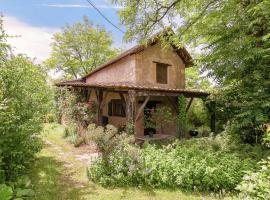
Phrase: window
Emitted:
{"points": [[116, 107], [162, 73]]}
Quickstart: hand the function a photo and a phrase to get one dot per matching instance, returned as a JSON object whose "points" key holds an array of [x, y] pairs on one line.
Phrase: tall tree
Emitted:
{"points": [[80, 48], [234, 36], [24, 100]]}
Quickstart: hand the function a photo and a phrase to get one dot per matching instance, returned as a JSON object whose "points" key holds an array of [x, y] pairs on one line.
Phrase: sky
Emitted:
{"points": [[33, 22]]}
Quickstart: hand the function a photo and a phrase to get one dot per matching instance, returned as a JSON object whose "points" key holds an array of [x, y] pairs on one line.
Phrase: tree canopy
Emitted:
{"points": [[234, 40], [80, 48]]}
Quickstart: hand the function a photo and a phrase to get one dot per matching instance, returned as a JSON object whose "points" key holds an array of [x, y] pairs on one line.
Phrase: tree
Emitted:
{"points": [[234, 41], [80, 48], [24, 98]]}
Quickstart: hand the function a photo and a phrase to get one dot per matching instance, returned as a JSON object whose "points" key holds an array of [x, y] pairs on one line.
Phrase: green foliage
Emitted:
{"points": [[266, 138], [198, 114], [76, 112], [107, 139], [20, 189], [207, 164], [194, 79], [76, 140], [70, 129], [159, 118], [233, 37], [256, 184], [130, 128], [6, 192], [181, 121], [80, 48], [24, 101]]}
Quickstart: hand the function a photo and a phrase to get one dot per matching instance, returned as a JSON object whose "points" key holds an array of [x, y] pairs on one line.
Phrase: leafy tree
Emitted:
{"points": [[194, 79], [24, 97], [234, 41], [80, 48]]}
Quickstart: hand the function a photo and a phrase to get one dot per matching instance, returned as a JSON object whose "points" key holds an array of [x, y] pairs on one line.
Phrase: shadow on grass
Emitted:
{"points": [[52, 182]]}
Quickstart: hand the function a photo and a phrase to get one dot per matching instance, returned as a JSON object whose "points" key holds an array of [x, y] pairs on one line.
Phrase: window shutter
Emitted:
{"points": [[162, 73]]}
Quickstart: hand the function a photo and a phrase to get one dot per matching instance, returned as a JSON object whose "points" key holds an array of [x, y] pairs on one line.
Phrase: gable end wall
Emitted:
{"points": [[121, 71], [146, 68]]}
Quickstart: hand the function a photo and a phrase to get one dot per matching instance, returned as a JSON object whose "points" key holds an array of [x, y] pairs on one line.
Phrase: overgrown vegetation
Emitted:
{"points": [[256, 185], [206, 164], [76, 112], [24, 101]]}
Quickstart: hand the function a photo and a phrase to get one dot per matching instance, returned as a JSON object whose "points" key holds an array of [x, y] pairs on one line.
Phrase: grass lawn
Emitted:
{"points": [[58, 174]]}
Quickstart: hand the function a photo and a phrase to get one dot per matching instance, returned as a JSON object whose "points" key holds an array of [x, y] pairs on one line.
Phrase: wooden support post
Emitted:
{"points": [[89, 94], [130, 107], [124, 101], [141, 108], [213, 116], [173, 103], [189, 103], [105, 94], [99, 95], [211, 106]]}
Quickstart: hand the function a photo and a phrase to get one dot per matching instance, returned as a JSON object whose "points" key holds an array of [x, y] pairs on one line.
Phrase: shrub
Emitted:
{"points": [[70, 130], [50, 118], [6, 192], [24, 102], [187, 166], [256, 184], [76, 140], [20, 189], [204, 130], [107, 139]]}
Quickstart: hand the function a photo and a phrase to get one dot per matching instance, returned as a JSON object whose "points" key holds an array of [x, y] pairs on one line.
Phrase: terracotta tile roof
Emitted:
{"points": [[129, 85]]}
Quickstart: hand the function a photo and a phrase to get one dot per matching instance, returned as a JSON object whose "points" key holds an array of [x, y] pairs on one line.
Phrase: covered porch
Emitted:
{"points": [[121, 104]]}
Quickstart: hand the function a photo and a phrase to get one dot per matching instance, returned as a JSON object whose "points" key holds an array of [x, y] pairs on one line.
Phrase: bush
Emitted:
{"points": [[19, 190], [191, 166], [76, 140], [24, 102], [107, 139], [256, 185], [70, 130]]}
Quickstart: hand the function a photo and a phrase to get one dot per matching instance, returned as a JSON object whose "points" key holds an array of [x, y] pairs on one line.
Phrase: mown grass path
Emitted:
{"points": [[59, 173]]}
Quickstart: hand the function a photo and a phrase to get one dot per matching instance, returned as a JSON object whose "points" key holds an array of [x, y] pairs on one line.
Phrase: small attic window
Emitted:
{"points": [[162, 73]]}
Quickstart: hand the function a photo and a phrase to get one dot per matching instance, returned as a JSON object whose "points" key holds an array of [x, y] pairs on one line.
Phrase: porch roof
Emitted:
{"points": [[142, 90]]}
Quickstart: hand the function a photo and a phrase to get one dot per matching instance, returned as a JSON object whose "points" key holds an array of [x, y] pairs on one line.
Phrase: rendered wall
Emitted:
{"points": [[146, 68], [121, 71]]}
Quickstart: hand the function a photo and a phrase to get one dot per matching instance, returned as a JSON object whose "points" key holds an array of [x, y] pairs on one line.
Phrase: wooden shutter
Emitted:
{"points": [[162, 73]]}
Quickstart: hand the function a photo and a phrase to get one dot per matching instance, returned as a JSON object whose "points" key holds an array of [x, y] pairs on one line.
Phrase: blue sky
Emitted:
{"points": [[36, 20]]}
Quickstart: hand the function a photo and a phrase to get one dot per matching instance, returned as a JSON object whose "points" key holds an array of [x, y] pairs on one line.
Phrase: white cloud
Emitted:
{"points": [[101, 6], [32, 41]]}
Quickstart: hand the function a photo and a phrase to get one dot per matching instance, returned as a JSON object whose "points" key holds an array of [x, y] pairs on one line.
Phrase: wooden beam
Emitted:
{"points": [[99, 95], [213, 116], [105, 94], [89, 94], [174, 104], [141, 108], [130, 108], [189, 103], [123, 100]]}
